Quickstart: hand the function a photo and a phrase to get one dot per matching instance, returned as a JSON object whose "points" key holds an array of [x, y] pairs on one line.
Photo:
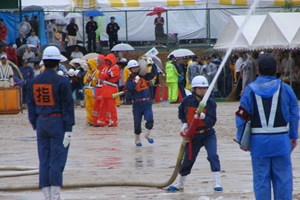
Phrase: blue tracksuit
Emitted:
{"points": [[141, 102], [206, 138], [51, 113], [272, 106]]}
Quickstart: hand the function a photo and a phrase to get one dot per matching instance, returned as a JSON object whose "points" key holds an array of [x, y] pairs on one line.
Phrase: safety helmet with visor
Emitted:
{"points": [[199, 81]]}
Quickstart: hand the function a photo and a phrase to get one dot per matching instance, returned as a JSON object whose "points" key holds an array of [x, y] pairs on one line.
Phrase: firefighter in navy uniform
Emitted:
{"points": [[51, 114], [205, 135], [138, 87]]}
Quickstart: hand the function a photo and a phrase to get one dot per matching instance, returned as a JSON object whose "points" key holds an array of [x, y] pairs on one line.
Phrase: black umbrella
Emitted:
{"points": [[61, 48], [71, 48], [32, 8], [34, 60], [21, 50]]}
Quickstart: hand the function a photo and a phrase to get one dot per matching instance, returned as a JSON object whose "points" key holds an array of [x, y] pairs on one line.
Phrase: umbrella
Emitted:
{"points": [[34, 60], [122, 47], [90, 55], [32, 8], [156, 10], [73, 15], [181, 53], [71, 48], [55, 16], [93, 13], [118, 19], [61, 48], [21, 50], [63, 58]]}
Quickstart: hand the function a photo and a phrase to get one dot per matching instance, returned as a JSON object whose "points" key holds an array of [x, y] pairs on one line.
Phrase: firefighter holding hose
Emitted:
{"points": [[205, 134]]}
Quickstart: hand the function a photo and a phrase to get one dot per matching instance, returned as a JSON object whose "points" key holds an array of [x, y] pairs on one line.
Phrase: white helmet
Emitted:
{"points": [[51, 53], [71, 72], [60, 73], [132, 64], [199, 81]]}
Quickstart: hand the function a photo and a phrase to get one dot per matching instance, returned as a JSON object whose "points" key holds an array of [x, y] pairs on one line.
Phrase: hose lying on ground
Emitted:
{"points": [[93, 184]]}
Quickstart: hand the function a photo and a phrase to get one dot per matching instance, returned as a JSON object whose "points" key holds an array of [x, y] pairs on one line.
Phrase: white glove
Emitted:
{"points": [[199, 116], [184, 127], [67, 139], [136, 79], [80, 91]]}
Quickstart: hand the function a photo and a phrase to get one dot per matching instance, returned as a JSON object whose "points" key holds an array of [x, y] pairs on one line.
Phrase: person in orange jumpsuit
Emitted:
{"points": [[110, 76], [90, 80], [98, 97]]}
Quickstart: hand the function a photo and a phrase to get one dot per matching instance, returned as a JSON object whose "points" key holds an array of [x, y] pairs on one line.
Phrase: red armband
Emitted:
{"points": [[242, 113]]}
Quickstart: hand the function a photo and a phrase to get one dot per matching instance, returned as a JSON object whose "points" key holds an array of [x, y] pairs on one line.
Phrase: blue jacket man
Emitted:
{"points": [[272, 108]]}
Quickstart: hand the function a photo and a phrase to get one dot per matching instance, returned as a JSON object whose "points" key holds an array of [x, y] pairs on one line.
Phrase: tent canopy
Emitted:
{"points": [[272, 31]]}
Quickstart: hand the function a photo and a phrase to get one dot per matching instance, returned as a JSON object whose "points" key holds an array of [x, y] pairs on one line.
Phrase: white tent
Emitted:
{"points": [[277, 31], [246, 37], [273, 31]]}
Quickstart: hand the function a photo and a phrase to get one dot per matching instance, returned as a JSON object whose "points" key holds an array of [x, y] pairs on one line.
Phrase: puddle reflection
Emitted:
{"points": [[144, 158]]}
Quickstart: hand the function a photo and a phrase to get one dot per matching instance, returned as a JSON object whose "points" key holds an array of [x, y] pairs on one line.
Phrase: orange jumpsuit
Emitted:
{"points": [[98, 96], [92, 72], [109, 76]]}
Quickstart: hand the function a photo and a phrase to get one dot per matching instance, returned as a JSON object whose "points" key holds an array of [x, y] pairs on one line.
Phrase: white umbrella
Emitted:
{"points": [[122, 47], [73, 15], [89, 56], [55, 16], [181, 53]]}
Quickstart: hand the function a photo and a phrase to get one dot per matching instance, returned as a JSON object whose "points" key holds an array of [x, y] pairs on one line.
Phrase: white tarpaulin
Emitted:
{"points": [[273, 31]]}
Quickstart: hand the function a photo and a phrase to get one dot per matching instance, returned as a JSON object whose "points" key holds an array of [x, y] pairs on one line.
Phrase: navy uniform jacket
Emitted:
{"points": [[50, 93]]}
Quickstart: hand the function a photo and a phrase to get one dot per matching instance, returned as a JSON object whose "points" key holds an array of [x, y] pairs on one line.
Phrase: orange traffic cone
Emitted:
{"points": [[179, 96], [157, 94], [165, 92]]}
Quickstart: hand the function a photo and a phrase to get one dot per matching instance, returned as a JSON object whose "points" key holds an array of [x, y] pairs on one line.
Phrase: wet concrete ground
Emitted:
{"points": [[108, 155]]}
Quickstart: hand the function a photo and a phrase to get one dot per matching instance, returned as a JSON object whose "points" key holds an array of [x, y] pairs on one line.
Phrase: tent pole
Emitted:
{"points": [[20, 10], [167, 37], [126, 26], [83, 33]]}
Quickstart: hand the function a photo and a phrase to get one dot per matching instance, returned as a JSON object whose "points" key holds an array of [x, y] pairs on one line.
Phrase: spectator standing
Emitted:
{"points": [[159, 29], [273, 110], [21, 40], [71, 32], [194, 68], [112, 32], [3, 30], [172, 79], [90, 30], [35, 24], [51, 29], [33, 39]]}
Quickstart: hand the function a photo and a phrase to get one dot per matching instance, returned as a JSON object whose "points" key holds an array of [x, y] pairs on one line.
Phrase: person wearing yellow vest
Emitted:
{"points": [[172, 79], [126, 75]]}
